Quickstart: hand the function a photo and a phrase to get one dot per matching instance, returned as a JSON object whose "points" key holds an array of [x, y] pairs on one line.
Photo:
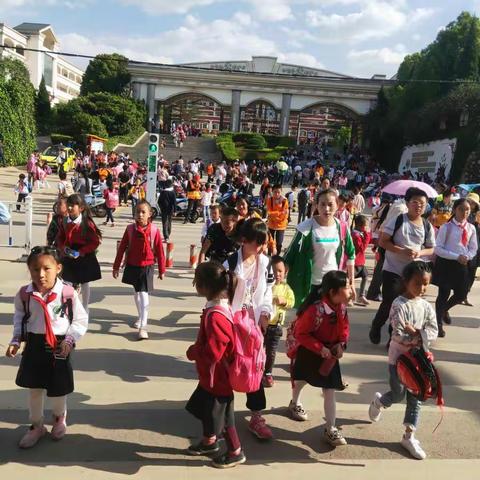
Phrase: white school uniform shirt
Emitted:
{"points": [[449, 244], [60, 323], [261, 297]]}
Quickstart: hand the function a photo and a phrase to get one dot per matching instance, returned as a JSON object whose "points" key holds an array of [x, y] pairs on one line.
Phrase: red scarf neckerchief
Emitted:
{"points": [[146, 233], [50, 337], [463, 227]]}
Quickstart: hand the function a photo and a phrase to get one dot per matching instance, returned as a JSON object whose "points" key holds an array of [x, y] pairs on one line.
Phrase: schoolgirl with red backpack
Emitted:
{"points": [[49, 320], [414, 327], [141, 245], [315, 343], [214, 353]]}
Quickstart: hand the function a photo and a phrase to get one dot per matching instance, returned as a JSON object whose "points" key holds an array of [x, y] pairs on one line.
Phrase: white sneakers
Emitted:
{"points": [[136, 325], [142, 334], [412, 445], [375, 409], [297, 412], [333, 436], [409, 443]]}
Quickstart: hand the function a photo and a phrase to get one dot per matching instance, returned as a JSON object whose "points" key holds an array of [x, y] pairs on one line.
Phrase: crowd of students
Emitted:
{"points": [[241, 272]]}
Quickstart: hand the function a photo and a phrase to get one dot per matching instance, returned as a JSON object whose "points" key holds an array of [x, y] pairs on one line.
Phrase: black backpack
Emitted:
{"points": [[427, 227]]}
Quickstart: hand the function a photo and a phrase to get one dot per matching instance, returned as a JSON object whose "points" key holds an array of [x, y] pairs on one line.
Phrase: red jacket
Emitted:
{"points": [[322, 325], [213, 348], [361, 240], [72, 235], [139, 252]]}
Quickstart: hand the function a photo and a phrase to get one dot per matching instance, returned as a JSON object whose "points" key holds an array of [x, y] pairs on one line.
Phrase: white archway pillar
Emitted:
{"points": [[235, 111], [151, 101], [285, 113]]}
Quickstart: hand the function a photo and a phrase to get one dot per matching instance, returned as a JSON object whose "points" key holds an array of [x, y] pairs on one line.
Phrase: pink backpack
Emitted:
{"points": [[246, 369]]}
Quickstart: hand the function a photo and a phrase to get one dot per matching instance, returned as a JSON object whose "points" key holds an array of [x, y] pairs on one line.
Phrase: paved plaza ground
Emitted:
{"points": [[127, 414]]}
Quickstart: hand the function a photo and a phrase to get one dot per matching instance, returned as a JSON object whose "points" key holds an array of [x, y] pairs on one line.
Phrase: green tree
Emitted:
{"points": [[43, 109], [17, 112], [100, 113], [343, 136], [106, 73], [410, 111]]}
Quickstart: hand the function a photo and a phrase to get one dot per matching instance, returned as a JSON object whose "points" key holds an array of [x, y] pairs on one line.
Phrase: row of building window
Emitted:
{"points": [[70, 75]]}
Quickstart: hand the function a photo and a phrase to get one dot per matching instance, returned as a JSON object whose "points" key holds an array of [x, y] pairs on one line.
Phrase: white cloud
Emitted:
{"points": [[10, 6], [160, 7], [302, 59], [373, 19], [272, 10], [376, 60]]}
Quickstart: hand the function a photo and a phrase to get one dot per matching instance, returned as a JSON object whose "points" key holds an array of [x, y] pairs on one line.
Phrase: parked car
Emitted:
{"points": [[52, 153]]}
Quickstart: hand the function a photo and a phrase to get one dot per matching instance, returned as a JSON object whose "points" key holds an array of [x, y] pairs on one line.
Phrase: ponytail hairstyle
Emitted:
{"points": [[214, 280], [333, 280], [76, 199]]}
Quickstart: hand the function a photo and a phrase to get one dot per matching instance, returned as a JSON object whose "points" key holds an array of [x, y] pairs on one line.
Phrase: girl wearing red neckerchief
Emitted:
{"points": [[50, 319], [455, 245], [320, 335], [78, 239], [142, 246]]}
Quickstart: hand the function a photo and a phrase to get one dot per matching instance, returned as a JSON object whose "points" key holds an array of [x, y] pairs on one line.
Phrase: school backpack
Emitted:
{"points": [[245, 371], [418, 374], [302, 197], [66, 307], [291, 342], [427, 227]]}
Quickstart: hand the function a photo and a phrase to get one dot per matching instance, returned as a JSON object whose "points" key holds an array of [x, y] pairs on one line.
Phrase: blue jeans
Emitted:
{"points": [[397, 394], [206, 213]]}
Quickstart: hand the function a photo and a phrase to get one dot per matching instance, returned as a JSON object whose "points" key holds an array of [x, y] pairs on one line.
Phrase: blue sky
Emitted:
{"points": [[356, 37]]}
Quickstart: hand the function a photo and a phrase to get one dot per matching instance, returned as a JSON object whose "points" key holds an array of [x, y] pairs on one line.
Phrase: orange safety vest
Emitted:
{"points": [[277, 214]]}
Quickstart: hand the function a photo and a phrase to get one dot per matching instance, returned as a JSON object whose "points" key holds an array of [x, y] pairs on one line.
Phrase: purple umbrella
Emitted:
{"points": [[401, 186]]}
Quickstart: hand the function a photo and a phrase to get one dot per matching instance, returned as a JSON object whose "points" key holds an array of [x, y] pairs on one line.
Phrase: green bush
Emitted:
{"points": [[227, 147], [57, 138], [272, 157], [288, 142], [17, 112], [256, 142], [242, 137]]}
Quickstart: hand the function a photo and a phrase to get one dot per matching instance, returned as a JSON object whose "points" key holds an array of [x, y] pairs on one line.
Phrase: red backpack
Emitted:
{"points": [[418, 374], [67, 306], [246, 369]]}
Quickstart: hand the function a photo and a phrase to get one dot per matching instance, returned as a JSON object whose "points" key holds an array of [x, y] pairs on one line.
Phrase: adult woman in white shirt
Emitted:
{"points": [[456, 245]]}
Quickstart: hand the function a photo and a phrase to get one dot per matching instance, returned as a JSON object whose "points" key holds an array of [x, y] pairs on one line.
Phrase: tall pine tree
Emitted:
{"points": [[43, 109]]}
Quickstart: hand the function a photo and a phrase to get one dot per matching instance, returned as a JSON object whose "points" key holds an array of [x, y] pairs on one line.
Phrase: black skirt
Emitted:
{"points": [[306, 365], [40, 369], [450, 274], [81, 270], [216, 413], [141, 278]]}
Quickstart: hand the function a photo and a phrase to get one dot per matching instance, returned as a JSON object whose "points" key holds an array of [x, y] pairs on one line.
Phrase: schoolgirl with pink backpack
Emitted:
{"points": [[217, 352], [253, 302], [141, 245]]}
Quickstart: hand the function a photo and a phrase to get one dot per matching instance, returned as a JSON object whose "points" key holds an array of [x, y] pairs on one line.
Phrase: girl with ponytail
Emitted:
{"points": [[212, 400], [78, 239]]}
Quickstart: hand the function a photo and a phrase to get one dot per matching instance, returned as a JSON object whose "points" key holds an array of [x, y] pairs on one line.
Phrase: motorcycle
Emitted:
{"points": [[181, 211]]}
